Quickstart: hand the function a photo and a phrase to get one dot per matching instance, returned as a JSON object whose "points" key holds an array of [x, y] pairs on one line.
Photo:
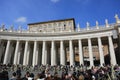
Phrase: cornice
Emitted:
{"points": [[39, 34]]}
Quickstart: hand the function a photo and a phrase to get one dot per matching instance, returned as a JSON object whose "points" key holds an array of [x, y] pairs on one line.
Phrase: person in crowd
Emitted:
{"points": [[56, 77], [18, 77], [31, 77], [5, 74], [13, 76], [26, 76], [48, 77], [37, 76], [81, 77], [18, 71], [60, 72]]}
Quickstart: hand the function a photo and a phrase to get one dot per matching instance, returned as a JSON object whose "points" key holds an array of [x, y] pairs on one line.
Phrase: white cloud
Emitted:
{"points": [[21, 19], [54, 1]]}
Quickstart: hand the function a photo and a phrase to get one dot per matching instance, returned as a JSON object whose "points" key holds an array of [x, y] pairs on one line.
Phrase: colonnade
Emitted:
{"points": [[49, 54]]}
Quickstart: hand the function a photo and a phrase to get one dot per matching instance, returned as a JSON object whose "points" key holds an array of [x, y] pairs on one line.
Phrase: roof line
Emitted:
{"points": [[51, 21]]}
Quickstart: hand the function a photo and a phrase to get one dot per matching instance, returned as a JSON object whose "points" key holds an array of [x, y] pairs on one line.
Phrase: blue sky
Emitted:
{"points": [[22, 12]]}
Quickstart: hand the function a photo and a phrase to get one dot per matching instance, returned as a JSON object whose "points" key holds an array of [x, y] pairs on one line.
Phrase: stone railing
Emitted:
{"points": [[2, 29], [96, 28]]}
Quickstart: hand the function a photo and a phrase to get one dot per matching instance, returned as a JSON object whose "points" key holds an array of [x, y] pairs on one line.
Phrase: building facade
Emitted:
{"points": [[60, 42]]}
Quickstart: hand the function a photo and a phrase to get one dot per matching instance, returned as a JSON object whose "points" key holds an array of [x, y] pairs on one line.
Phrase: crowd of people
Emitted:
{"points": [[47, 72]]}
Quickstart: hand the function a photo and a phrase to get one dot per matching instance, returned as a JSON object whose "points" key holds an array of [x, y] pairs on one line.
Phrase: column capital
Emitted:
{"points": [[17, 40], [99, 37], [44, 40], [61, 40], [89, 38], [26, 40], [9, 40], [80, 39], [35, 41], [109, 35], [70, 39], [52, 40]]}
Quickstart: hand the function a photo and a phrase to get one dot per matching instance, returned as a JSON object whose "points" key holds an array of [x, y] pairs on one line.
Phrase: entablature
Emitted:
{"points": [[63, 36]]}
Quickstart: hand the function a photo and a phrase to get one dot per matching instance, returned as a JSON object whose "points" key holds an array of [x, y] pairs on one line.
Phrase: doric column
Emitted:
{"points": [[16, 52], [25, 53], [44, 53], [101, 51], [28, 55], [1, 50], [53, 53], [11, 50], [112, 52], [39, 54], [18, 59], [46, 56], [7, 53], [62, 53], [90, 52], [71, 52], [19, 53], [35, 54], [80, 52]]}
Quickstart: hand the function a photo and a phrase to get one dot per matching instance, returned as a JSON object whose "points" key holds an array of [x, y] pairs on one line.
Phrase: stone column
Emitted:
{"points": [[1, 50], [53, 53], [44, 52], [119, 46], [46, 56], [90, 52], [80, 52], [28, 55], [62, 53], [25, 53], [39, 54], [35, 55], [18, 59], [11, 50], [101, 51], [112, 52], [16, 52], [19, 53], [71, 52], [7, 52]]}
